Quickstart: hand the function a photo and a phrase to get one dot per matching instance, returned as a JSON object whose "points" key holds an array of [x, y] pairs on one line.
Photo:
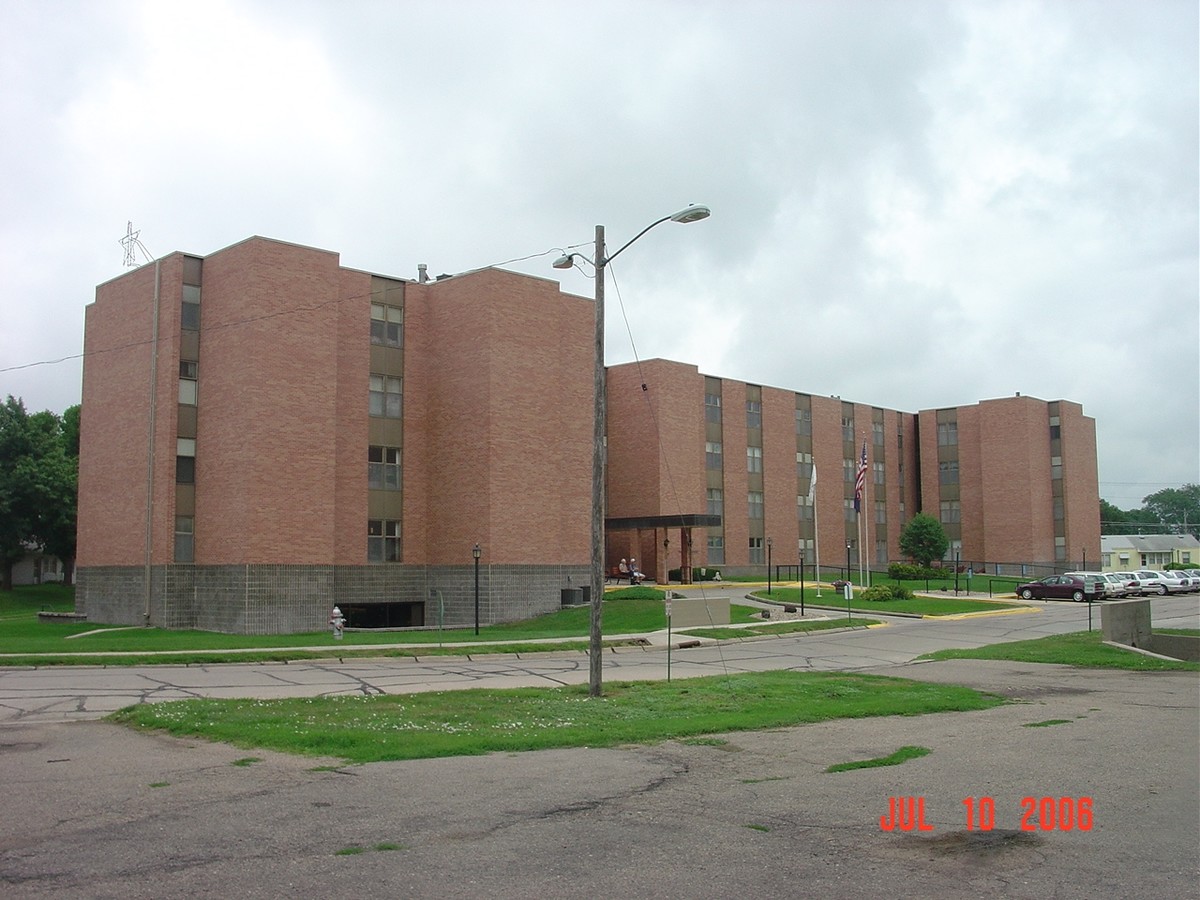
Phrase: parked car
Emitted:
{"points": [[1162, 582], [1056, 587], [1097, 583], [1116, 587], [1134, 586], [1178, 582]]}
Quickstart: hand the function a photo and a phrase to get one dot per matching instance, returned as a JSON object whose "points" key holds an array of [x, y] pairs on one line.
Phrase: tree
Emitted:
{"points": [[38, 475], [1176, 508], [1114, 520], [924, 539]]}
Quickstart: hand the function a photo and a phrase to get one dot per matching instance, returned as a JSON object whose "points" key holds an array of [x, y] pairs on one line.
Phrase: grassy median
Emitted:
{"points": [[1085, 649], [472, 722]]}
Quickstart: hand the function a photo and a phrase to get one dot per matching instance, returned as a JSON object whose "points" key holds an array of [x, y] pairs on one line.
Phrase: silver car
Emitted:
{"points": [[1134, 587]]}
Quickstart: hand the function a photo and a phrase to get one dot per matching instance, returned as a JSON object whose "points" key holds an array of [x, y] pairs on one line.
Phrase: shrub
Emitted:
{"points": [[883, 592], [877, 592]]}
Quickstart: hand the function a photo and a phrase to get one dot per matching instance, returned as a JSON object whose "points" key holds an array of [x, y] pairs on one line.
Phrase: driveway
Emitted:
{"points": [[90, 809]]}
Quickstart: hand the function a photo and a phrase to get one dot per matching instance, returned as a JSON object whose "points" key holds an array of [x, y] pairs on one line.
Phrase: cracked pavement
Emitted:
{"points": [[91, 809]]}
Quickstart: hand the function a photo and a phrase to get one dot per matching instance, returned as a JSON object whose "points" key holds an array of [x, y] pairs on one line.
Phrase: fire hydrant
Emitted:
{"points": [[338, 621]]}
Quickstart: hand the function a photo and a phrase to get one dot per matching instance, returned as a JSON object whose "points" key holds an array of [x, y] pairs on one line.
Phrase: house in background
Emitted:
{"points": [[37, 567], [1126, 552]]}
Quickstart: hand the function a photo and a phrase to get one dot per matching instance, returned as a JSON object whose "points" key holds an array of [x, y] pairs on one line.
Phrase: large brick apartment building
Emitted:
{"points": [[266, 433]]}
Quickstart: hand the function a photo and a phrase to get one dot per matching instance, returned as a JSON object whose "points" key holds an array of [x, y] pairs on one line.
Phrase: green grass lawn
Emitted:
{"points": [[471, 722], [924, 606], [777, 627], [626, 611], [1085, 649]]}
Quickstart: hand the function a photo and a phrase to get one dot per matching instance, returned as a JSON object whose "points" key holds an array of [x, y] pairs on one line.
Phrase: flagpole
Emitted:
{"points": [[812, 489]]}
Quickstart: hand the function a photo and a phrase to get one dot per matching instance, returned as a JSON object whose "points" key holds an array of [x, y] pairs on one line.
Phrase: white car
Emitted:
{"points": [[1116, 585], [1161, 583], [1134, 587], [1178, 582]]}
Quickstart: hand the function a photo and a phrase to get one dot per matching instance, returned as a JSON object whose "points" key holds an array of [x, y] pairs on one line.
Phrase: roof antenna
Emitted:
{"points": [[131, 242]]}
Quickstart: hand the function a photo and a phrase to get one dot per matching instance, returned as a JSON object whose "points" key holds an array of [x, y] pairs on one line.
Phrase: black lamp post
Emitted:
{"points": [[848, 543], [802, 581], [768, 567], [476, 552]]}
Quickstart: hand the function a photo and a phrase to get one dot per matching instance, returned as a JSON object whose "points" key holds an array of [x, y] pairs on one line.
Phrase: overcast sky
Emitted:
{"points": [[915, 204]]}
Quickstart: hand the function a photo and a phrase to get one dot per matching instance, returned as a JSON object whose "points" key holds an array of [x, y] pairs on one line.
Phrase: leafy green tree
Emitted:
{"points": [[38, 477], [924, 539], [1175, 508], [1114, 520]]}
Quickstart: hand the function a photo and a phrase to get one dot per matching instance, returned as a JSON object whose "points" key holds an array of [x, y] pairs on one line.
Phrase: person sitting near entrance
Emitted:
{"points": [[623, 569], [635, 576]]}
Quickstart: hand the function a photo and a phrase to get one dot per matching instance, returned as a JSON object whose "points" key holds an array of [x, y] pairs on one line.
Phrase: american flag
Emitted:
{"points": [[860, 480]]}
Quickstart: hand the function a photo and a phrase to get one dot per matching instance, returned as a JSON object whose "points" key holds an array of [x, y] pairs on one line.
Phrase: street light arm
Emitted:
{"points": [[602, 260], [690, 214]]}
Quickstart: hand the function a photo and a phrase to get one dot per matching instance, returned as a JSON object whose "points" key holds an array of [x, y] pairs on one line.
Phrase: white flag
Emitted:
{"points": [[812, 484]]}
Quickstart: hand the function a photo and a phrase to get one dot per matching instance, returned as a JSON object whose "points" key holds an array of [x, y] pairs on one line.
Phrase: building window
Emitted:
{"points": [[848, 429], [185, 461], [804, 465], [1055, 468], [1058, 508], [712, 408], [756, 550], [754, 414], [1055, 428], [947, 434], [755, 502], [754, 459], [387, 325], [804, 421], [385, 396], [877, 470], [948, 472], [185, 546], [1060, 549], [185, 470], [712, 456], [877, 433], [880, 512], [1185, 557], [848, 509], [951, 512], [849, 471], [383, 540], [383, 468], [716, 502], [881, 553], [804, 508], [187, 392], [1106, 560], [716, 549], [189, 314]]}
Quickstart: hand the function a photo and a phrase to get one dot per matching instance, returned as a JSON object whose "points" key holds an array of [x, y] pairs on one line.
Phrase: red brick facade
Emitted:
{"points": [[494, 432], [993, 469]]}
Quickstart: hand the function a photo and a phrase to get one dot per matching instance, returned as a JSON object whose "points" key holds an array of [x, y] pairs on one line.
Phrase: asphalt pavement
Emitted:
{"points": [[91, 809]]}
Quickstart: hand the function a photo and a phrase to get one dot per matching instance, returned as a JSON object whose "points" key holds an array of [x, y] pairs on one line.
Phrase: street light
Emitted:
{"points": [[476, 552], [768, 567], [599, 423]]}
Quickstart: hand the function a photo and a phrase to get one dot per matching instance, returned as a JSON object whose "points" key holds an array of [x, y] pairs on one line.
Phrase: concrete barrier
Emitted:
{"points": [[1128, 622]]}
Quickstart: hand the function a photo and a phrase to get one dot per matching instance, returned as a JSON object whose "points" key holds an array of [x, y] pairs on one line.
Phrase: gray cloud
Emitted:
{"points": [[915, 205]]}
